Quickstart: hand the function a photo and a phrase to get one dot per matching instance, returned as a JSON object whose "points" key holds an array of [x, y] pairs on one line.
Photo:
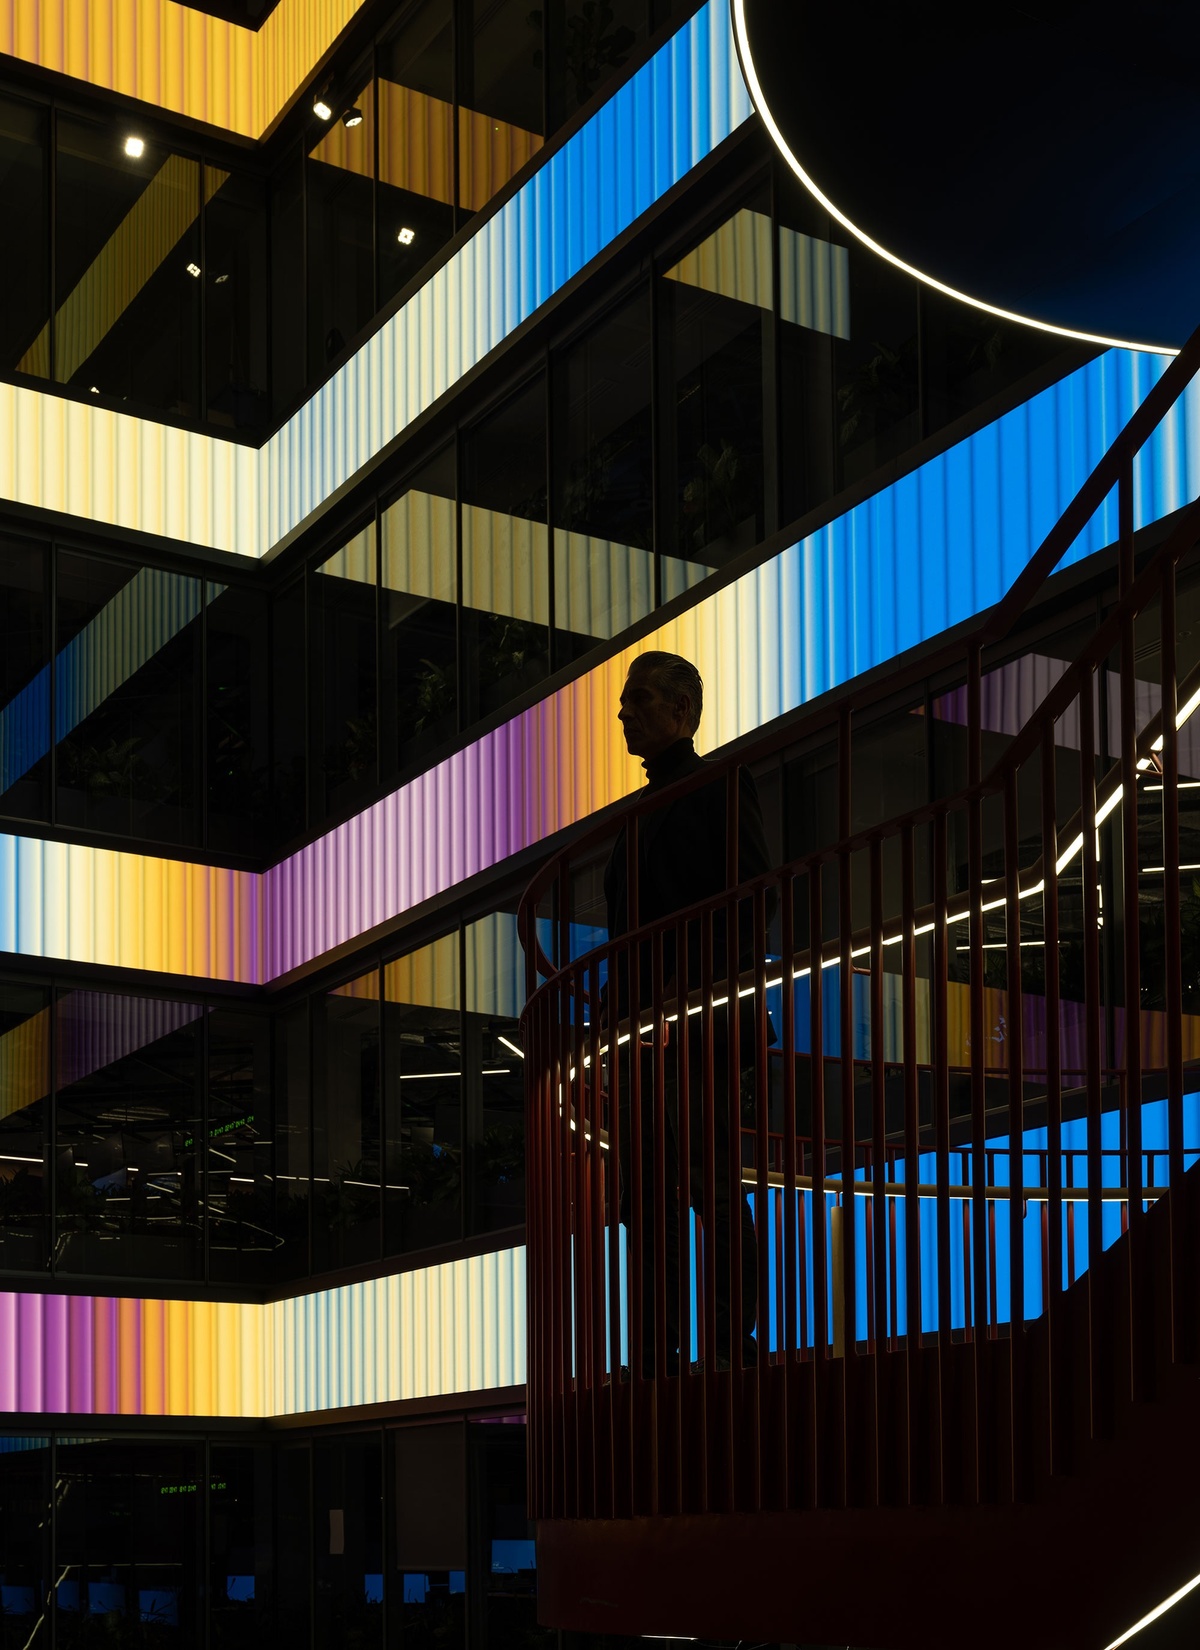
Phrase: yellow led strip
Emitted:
{"points": [[179, 59]]}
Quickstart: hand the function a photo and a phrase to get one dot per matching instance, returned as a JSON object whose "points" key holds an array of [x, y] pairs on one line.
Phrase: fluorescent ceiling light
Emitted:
{"points": [[135, 147], [520, 1052], [1159, 1610]]}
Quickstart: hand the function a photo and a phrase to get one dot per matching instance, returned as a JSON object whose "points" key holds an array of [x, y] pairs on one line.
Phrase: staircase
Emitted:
{"points": [[962, 1080]]}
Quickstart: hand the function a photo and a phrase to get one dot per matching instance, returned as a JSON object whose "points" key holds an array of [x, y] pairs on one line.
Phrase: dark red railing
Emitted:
{"points": [[955, 1077]]}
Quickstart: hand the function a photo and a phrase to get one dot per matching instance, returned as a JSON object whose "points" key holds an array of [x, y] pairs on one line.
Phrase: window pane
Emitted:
{"points": [[814, 309], [500, 121], [876, 369], [288, 321], [241, 1547], [24, 680], [603, 481], [127, 278], [716, 303], [26, 1491], [346, 1124], [339, 185], [504, 554], [420, 618], [415, 95], [129, 1541], [495, 995], [348, 1549], [24, 1122], [589, 42], [240, 1191], [129, 1197], [24, 151], [342, 614], [125, 710], [289, 770], [235, 293], [293, 1140], [424, 1097], [236, 718], [508, 1560]]}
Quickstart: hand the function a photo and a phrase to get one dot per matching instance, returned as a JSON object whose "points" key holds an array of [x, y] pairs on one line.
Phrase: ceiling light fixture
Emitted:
{"points": [[220, 280], [135, 147], [321, 108], [406, 236], [1153, 1615], [353, 117], [194, 271]]}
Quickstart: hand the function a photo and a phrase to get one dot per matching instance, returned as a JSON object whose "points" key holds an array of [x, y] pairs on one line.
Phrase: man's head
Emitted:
{"points": [[660, 703]]}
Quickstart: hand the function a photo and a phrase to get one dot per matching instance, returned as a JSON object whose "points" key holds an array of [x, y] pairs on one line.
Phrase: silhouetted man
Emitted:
{"points": [[682, 858]]}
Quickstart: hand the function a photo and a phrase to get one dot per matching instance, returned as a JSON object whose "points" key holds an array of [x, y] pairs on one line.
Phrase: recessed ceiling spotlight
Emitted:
{"points": [[193, 270], [135, 147], [321, 108], [406, 236], [95, 389], [352, 117]]}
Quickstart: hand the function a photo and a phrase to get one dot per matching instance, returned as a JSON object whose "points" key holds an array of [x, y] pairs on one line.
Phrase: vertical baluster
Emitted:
{"points": [[683, 1210], [711, 1482], [581, 1227], [659, 1193], [912, 1153], [877, 1321], [792, 1214], [734, 1389], [1018, 1413], [940, 1056], [851, 1461], [620, 1326], [1183, 1336], [601, 1401], [982, 1432], [821, 1382], [766, 1488], [1099, 1340], [1057, 1432]]}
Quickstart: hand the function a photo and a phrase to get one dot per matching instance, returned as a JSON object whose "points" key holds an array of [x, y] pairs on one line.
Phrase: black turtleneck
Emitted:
{"points": [[671, 764]]}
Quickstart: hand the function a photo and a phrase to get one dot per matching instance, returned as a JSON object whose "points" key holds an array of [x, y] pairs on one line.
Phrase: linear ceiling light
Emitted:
{"points": [[1158, 1610]]}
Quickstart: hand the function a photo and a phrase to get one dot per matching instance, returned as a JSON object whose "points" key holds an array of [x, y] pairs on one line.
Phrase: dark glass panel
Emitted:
{"points": [[24, 1127], [876, 368], [505, 575], [423, 1089], [24, 206], [240, 1164], [293, 1544], [26, 1494], [419, 576], [342, 616], [127, 278], [814, 309], [129, 1118], [288, 372], [495, 995], [236, 719], [293, 1140], [128, 1542], [500, 118], [24, 679], [346, 1124], [428, 1564], [716, 303], [603, 481], [126, 680], [237, 382], [589, 41], [415, 92], [505, 1570], [289, 664], [339, 192], [348, 1544], [240, 1565]]}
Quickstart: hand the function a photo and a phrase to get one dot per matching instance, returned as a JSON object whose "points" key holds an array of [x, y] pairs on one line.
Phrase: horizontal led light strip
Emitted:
{"points": [[936, 547], [434, 1332], [132, 473], [178, 58]]}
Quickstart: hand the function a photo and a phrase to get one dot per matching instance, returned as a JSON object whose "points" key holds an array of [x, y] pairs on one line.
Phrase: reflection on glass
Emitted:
{"points": [[588, 43], [24, 337], [287, 314], [814, 281], [293, 1534], [424, 1096], [715, 304], [505, 574], [495, 973], [24, 680], [500, 118], [24, 1125], [510, 1580], [235, 298], [420, 582], [128, 1164], [342, 614], [26, 1493], [603, 481], [125, 688], [240, 1566], [128, 277], [876, 381], [289, 667], [240, 1197], [128, 1542], [348, 1550], [346, 1124], [339, 177], [236, 719], [293, 1149], [415, 92]]}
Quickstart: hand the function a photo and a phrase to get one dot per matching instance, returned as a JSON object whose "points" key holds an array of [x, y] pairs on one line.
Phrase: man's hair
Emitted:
{"points": [[676, 678]]}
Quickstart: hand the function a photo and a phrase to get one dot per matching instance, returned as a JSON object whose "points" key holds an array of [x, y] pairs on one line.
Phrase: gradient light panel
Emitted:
{"points": [[434, 1332], [130, 472], [178, 58]]}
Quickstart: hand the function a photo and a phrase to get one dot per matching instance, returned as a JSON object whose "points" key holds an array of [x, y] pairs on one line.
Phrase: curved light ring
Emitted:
{"points": [[754, 86]]}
